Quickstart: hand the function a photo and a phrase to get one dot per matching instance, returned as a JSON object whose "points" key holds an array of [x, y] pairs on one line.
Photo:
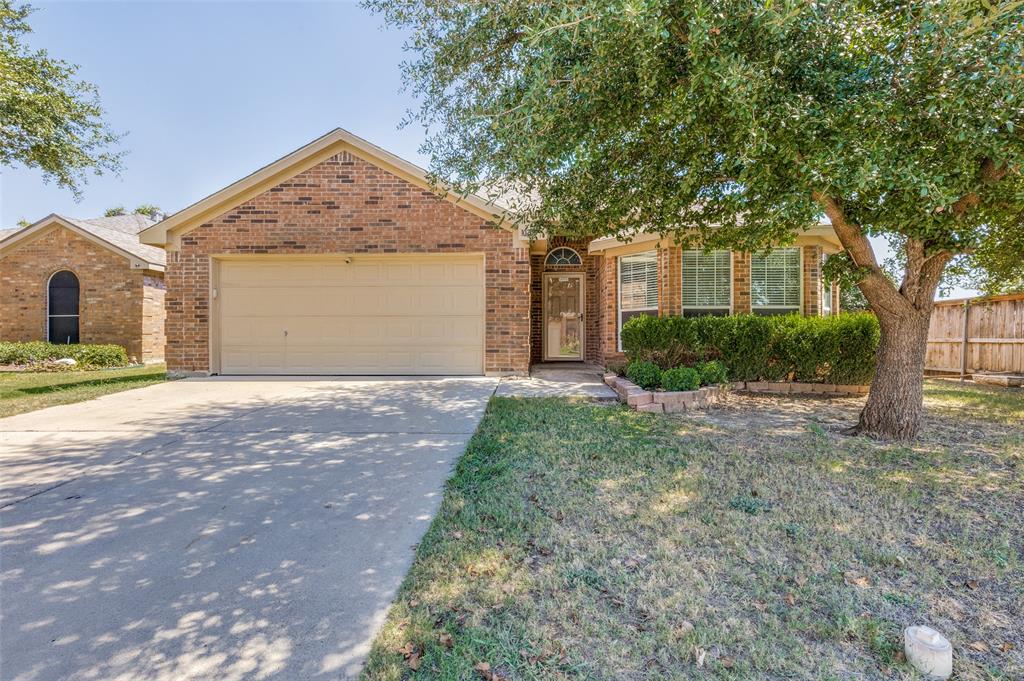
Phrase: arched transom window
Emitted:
{"points": [[62, 312], [563, 256]]}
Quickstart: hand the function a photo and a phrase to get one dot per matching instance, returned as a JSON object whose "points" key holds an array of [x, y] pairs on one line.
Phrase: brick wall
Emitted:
{"points": [[670, 281], [110, 292], [348, 205], [608, 311], [812, 280], [740, 282], [153, 337]]}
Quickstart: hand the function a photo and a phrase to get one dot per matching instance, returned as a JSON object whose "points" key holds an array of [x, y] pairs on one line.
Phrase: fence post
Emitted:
{"points": [[964, 341]]}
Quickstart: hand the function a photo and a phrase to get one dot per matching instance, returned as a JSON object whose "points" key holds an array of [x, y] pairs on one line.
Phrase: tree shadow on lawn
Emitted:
{"points": [[748, 542], [83, 383]]}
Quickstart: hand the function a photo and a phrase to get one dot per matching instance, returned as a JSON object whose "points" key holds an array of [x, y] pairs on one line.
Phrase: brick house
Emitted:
{"points": [[89, 281], [340, 259]]}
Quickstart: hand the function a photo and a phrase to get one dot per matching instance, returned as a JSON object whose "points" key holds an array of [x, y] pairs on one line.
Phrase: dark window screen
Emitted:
{"points": [[63, 293], [63, 313], [773, 311], [63, 330], [706, 312], [629, 314]]}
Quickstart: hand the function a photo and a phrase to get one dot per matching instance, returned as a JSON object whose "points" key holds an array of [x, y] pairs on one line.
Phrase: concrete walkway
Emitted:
{"points": [[219, 528], [562, 379]]}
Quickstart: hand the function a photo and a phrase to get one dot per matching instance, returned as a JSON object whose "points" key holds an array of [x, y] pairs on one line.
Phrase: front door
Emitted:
{"points": [[563, 317]]}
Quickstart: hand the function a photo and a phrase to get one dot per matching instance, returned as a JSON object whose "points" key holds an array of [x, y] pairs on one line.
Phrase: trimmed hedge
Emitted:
{"points": [[839, 349], [87, 356]]}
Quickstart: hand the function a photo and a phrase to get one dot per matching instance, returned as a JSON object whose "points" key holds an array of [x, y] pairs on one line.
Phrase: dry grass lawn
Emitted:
{"points": [[577, 541]]}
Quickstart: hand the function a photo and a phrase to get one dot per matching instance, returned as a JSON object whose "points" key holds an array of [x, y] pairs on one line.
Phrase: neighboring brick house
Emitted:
{"points": [[341, 259], [83, 281]]}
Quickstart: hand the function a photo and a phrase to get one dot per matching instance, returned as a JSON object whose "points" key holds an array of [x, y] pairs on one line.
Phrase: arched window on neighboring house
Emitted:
{"points": [[563, 256], [62, 312]]}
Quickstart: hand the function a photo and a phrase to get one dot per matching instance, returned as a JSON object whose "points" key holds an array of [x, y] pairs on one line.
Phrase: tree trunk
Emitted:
{"points": [[894, 406]]}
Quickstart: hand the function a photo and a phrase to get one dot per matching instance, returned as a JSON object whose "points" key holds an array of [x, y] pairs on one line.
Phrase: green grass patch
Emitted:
{"points": [[27, 391], [986, 402], [578, 541]]}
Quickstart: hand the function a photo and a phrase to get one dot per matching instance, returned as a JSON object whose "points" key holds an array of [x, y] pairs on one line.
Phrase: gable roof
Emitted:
{"points": [[302, 159], [119, 234]]}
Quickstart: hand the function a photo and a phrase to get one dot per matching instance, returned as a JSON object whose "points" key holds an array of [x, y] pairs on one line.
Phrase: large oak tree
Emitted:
{"points": [[740, 122]]}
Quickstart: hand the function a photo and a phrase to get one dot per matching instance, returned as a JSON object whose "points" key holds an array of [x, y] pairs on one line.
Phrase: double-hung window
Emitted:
{"points": [[638, 286], [707, 283], [775, 281]]}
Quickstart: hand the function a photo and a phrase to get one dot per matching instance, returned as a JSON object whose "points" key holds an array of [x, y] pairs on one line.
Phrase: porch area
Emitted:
{"points": [[560, 379]]}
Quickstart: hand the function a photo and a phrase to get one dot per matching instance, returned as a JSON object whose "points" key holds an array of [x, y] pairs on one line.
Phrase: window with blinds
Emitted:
{"points": [[707, 282], [775, 281], [638, 286]]}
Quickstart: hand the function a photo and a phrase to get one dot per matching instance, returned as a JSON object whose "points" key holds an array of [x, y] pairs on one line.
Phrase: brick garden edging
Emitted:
{"points": [[788, 387], [662, 402], [669, 402]]}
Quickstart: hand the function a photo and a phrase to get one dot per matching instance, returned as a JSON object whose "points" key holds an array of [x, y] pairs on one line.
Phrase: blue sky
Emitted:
{"points": [[208, 92]]}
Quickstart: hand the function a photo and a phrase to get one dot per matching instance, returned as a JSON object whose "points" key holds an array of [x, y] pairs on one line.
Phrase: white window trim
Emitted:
{"points": [[559, 248], [732, 287], [618, 295], [799, 308], [50, 316], [826, 289]]}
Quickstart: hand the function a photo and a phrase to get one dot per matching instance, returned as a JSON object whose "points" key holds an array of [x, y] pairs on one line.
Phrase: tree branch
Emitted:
{"points": [[876, 287], [929, 278], [854, 241], [988, 173]]}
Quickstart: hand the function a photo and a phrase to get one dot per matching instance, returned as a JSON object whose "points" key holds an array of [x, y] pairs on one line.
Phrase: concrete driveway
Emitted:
{"points": [[219, 528]]}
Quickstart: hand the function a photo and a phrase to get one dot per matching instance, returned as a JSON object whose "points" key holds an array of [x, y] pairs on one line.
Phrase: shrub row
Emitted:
{"points": [[650, 376], [87, 356], [839, 349]]}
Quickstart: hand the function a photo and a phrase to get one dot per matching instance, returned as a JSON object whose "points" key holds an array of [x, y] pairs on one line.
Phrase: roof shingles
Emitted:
{"points": [[120, 231]]}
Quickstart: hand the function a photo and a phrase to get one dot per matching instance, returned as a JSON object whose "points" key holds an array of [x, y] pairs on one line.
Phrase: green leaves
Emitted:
{"points": [[839, 349], [627, 115], [48, 119]]}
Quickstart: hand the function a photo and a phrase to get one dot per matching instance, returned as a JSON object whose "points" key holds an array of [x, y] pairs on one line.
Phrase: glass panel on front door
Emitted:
{"points": [[563, 319]]}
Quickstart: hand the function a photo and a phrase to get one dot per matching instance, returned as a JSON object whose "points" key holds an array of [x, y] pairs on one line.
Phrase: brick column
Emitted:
{"points": [[740, 282], [670, 288], [812, 280], [609, 330]]}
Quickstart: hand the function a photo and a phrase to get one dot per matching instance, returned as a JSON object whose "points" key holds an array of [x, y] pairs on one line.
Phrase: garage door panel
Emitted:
{"points": [[468, 274], [254, 301], [374, 315], [254, 359]]}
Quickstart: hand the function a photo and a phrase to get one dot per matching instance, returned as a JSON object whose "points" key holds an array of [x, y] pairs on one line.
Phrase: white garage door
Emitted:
{"points": [[389, 315]]}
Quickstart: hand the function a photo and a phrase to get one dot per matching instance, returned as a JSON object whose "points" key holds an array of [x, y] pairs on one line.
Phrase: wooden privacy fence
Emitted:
{"points": [[977, 335]]}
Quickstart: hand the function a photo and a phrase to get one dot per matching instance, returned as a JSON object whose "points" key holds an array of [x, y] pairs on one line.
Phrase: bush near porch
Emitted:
{"points": [[39, 352], [839, 349]]}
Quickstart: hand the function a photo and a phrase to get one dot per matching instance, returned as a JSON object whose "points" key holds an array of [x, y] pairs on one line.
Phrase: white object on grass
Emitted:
{"points": [[929, 651]]}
